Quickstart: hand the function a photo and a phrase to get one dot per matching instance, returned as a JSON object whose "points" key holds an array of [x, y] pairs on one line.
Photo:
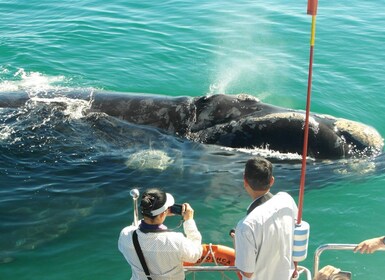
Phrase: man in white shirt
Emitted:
{"points": [[264, 238], [164, 251]]}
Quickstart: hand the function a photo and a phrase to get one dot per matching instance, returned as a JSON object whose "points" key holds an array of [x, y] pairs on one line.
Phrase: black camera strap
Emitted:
{"points": [[140, 254]]}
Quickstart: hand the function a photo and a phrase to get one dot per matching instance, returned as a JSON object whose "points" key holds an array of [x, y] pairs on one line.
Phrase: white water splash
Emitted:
{"points": [[5, 132], [74, 108], [31, 82], [149, 159], [267, 153]]}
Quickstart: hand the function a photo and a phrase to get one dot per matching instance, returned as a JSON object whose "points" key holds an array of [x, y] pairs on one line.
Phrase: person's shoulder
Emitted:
{"points": [[284, 199], [284, 195], [127, 230], [248, 226], [269, 208], [250, 220]]}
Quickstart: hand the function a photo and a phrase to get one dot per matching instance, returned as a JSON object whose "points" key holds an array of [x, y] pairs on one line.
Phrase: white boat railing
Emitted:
{"points": [[203, 268], [301, 270], [329, 247], [225, 271]]}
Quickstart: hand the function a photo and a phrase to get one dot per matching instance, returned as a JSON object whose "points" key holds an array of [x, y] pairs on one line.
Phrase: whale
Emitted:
{"points": [[233, 121]]}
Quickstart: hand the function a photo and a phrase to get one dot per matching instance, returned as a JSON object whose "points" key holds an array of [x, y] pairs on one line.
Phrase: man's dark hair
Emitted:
{"points": [[258, 173]]}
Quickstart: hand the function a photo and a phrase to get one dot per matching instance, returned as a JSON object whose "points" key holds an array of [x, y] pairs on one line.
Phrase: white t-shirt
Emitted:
{"points": [[164, 251], [264, 239]]}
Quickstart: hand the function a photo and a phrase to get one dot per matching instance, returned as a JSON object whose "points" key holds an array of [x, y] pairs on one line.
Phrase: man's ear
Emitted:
{"points": [[245, 182], [272, 180]]}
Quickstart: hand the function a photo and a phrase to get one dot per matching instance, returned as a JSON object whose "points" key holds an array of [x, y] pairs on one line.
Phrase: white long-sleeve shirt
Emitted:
{"points": [[163, 251]]}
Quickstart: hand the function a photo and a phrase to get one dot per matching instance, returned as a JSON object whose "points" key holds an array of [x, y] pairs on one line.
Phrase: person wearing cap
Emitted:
{"points": [[164, 251], [264, 238]]}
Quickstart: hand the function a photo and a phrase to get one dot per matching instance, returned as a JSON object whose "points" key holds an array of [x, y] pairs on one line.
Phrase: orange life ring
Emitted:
{"points": [[218, 254]]}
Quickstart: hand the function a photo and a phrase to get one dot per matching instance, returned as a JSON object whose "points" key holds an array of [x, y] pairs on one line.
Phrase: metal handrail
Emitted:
{"points": [[202, 268], [332, 246], [217, 268]]}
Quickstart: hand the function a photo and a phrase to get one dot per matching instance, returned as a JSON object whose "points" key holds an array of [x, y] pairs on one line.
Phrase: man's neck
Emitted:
{"points": [[256, 194], [259, 201]]}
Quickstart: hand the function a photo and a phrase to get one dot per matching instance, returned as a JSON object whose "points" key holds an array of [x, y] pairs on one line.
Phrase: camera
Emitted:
{"points": [[176, 209]]}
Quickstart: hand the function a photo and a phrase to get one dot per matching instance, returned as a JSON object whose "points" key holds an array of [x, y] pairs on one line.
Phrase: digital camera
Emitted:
{"points": [[176, 209]]}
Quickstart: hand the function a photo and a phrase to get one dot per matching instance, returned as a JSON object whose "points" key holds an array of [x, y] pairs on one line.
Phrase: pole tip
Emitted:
{"points": [[312, 7], [134, 193]]}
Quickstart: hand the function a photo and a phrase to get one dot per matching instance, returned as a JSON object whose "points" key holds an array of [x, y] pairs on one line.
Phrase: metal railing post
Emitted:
{"points": [[135, 195]]}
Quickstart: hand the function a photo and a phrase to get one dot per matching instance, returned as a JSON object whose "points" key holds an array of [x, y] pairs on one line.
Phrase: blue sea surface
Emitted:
{"points": [[66, 175]]}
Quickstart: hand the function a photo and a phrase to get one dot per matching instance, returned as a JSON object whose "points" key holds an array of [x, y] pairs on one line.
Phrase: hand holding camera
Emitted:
{"points": [[184, 210]]}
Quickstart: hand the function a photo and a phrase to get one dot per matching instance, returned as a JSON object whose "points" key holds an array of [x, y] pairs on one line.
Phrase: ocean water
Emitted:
{"points": [[66, 176]]}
